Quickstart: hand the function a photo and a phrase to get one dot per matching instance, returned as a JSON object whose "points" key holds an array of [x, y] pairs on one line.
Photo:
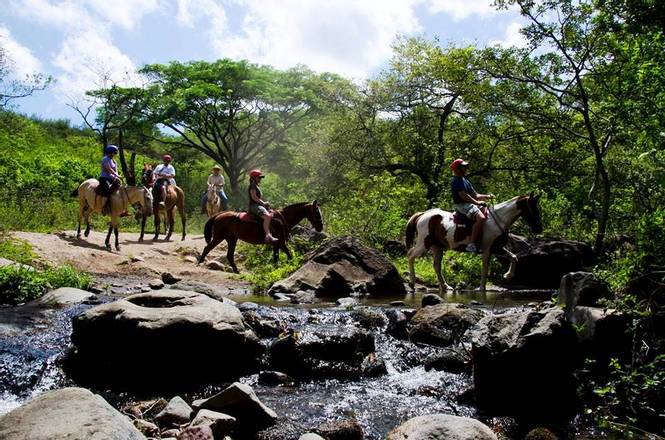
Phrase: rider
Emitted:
{"points": [[109, 179], [257, 206], [467, 201], [165, 176], [215, 179]]}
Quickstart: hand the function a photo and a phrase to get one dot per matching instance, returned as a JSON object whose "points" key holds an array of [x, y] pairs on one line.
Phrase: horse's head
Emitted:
{"points": [[314, 216], [146, 175], [530, 212]]}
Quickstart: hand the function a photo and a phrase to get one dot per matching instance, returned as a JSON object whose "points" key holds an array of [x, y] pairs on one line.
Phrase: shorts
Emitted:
{"points": [[468, 209], [258, 210]]}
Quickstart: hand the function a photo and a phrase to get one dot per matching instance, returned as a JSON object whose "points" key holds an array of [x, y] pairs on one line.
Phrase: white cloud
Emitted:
{"points": [[461, 9], [23, 62], [126, 13], [512, 37], [346, 36]]}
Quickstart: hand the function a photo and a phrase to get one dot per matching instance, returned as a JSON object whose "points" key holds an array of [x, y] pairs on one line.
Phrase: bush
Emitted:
{"points": [[262, 272], [20, 284], [16, 250]]}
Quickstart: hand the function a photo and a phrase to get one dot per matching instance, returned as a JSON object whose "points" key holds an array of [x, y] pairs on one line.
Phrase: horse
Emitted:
{"points": [[439, 230], [175, 198], [232, 226], [214, 203], [90, 202]]}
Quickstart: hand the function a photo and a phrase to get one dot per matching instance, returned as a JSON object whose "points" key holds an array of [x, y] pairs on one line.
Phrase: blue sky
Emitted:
{"points": [[80, 43]]}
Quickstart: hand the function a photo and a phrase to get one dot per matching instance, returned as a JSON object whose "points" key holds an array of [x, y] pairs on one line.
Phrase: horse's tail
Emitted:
{"points": [[75, 193], [411, 229], [207, 229]]}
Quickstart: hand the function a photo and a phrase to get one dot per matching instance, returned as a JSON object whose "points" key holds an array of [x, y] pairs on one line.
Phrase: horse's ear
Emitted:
{"points": [[531, 195], [315, 202]]}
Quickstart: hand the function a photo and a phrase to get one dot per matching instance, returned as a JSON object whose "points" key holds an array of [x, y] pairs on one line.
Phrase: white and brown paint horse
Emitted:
{"points": [[90, 202], [435, 229], [214, 202]]}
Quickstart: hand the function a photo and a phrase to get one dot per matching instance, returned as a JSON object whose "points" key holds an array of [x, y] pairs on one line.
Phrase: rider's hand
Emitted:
{"points": [[266, 205], [481, 203]]}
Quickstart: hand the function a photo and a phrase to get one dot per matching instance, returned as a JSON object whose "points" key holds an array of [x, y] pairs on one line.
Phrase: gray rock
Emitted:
{"points": [[346, 301], [344, 266], [64, 296], [156, 284], [196, 433], [603, 334], [341, 430], [442, 427], [583, 289], [431, 299], [124, 342], [67, 414], [304, 297], [240, 401], [170, 433], [397, 303], [369, 318], [311, 436], [216, 265], [273, 378], [397, 322], [219, 423], [5, 262], [176, 412], [169, 278], [523, 365], [146, 428], [442, 324], [452, 360]]}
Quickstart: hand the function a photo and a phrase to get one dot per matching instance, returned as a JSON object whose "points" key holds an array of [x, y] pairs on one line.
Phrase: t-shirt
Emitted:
{"points": [[107, 162], [254, 186], [216, 180], [458, 184], [165, 169]]}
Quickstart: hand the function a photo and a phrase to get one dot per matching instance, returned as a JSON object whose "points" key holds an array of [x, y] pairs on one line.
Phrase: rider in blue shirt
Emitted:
{"points": [[467, 201]]}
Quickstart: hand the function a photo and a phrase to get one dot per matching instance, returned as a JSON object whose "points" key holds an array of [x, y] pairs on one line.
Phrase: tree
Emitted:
{"points": [[562, 60], [233, 111], [12, 88]]}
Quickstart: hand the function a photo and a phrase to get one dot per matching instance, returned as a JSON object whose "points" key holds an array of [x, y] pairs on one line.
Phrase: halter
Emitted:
{"points": [[490, 209]]}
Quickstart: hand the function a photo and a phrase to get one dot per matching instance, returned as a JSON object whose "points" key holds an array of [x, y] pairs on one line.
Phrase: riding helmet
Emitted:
{"points": [[110, 149]]}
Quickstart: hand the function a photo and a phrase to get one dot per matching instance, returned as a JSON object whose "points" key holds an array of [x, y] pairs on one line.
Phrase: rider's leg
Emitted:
{"points": [[225, 200], [266, 228], [204, 200], [477, 226], [163, 190]]}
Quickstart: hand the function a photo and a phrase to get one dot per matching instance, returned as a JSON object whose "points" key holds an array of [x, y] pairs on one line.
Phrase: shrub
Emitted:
{"points": [[19, 284]]}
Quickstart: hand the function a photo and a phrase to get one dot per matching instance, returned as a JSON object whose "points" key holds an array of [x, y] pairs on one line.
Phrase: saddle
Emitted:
{"points": [[277, 223], [464, 225], [248, 218]]}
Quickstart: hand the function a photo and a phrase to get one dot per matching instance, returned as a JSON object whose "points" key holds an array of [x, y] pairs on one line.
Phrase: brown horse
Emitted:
{"points": [[175, 198], [231, 226]]}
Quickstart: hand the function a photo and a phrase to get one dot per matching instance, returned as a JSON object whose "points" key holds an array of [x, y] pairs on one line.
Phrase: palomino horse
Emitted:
{"points": [[90, 202], [214, 203], [231, 226], [436, 229], [175, 197]]}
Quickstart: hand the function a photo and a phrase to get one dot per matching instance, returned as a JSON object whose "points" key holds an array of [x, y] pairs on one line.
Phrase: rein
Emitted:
{"points": [[496, 220]]}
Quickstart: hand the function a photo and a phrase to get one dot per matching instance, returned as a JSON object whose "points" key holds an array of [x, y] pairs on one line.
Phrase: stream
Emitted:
{"points": [[32, 341]]}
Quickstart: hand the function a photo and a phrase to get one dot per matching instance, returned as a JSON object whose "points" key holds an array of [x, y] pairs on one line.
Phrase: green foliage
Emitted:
{"points": [[634, 395], [20, 284], [262, 272], [16, 250]]}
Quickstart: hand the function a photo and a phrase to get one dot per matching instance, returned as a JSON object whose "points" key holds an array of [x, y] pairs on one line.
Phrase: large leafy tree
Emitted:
{"points": [[233, 111]]}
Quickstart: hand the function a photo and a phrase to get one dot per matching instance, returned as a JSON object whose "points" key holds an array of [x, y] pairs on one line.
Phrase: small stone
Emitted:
{"points": [[136, 259], [219, 423], [169, 278], [196, 433], [398, 304], [215, 265], [145, 289], [170, 433], [273, 378], [431, 299], [310, 436], [475, 303], [177, 412], [541, 434], [156, 284], [191, 259], [147, 428], [343, 429], [346, 302]]}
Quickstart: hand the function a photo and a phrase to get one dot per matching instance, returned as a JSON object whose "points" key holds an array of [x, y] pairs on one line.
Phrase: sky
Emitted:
{"points": [[78, 42]]}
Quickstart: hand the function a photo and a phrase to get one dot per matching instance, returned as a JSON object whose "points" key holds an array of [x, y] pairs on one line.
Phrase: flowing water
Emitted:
{"points": [[33, 340]]}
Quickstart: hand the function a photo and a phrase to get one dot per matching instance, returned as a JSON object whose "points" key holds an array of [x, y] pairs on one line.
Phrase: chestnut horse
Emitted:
{"points": [[175, 197], [231, 227], [435, 229]]}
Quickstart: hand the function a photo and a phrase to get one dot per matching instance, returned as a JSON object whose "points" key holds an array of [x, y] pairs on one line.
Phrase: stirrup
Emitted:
{"points": [[270, 239]]}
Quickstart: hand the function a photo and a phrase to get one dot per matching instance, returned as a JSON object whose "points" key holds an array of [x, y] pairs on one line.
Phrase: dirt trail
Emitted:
{"points": [[148, 259]]}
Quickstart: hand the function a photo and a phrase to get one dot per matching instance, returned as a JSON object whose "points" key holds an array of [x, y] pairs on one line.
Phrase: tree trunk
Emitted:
{"points": [[433, 191], [605, 201]]}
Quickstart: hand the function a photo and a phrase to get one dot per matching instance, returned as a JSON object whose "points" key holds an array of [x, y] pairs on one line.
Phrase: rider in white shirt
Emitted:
{"points": [[165, 174]]}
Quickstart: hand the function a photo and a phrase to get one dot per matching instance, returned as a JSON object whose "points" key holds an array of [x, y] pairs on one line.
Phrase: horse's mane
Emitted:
{"points": [[297, 205], [502, 204]]}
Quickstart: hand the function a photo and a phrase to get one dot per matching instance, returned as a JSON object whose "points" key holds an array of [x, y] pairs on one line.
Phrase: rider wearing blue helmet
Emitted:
{"points": [[109, 180]]}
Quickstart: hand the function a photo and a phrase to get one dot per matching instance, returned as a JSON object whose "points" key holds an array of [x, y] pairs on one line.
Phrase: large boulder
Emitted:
{"points": [[146, 340], [442, 324], [523, 365], [603, 333], [441, 427], [583, 289], [542, 263], [68, 413], [64, 296], [342, 267], [326, 352]]}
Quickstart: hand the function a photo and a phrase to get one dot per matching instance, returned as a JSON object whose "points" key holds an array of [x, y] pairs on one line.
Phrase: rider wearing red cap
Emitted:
{"points": [[257, 206], [165, 176], [467, 200]]}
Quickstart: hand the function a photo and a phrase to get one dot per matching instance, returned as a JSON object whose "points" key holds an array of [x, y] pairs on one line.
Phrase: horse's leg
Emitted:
{"points": [[513, 265], [108, 237], [286, 250], [78, 228], [183, 219], [275, 254], [485, 270], [230, 253], [87, 222], [170, 216], [117, 243], [143, 219], [417, 251], [156, 213], [437, 252]]}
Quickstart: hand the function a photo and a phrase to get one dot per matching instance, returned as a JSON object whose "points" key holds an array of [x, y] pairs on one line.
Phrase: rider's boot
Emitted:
{"points": [[270, 238]]}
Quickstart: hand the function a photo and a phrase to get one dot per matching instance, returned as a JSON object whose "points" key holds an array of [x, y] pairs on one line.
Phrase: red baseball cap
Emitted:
{"points": [[457, 163]]}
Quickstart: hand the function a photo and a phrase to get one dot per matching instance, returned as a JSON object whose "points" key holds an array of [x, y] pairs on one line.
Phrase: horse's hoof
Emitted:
{"points": [[108, 247], [117, 248]]}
